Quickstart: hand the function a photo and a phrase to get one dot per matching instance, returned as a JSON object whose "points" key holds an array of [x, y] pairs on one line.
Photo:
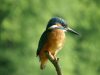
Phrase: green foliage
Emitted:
{"points": [[22, 23]]}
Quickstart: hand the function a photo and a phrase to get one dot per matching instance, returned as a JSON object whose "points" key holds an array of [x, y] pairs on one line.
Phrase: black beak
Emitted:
{"points": [[72, 31]]}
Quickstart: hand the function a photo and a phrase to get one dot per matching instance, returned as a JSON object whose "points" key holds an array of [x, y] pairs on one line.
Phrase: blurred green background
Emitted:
{"points": [[22, 23]]}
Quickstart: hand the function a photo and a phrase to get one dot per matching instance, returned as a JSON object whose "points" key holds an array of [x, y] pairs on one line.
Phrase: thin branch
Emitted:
{"points": [[54, 62]]}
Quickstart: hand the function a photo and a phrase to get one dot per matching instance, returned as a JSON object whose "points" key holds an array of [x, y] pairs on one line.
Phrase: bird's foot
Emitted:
{"points": [[56, 59], [51, 56]]}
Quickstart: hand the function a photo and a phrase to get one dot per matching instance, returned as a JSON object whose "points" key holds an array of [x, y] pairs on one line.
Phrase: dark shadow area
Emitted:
{"points": [[7, 67]]}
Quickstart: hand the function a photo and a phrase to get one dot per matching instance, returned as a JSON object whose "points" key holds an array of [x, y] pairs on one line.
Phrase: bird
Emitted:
{"points": [[52, 39]]}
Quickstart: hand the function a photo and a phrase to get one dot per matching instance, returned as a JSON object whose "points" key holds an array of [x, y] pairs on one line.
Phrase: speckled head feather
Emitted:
{"points": [[56, 20]]}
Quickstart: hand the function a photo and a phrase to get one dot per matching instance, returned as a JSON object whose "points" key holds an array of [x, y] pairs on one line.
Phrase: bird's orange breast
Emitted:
{"points": [[55, 41]]}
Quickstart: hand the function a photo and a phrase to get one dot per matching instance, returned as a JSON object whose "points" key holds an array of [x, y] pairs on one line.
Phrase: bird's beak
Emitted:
{"points": [[72, 31]]}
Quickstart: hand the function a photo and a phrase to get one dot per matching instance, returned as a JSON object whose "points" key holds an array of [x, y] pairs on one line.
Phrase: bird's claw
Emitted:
{"points": [[57, 59]]}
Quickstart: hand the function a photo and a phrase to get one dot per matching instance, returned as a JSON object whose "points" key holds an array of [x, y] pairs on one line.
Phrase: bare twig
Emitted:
{"points": [[54, 62]]}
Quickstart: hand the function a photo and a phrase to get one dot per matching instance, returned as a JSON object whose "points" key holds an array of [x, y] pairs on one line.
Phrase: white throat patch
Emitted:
{"points": [[53, 26]]}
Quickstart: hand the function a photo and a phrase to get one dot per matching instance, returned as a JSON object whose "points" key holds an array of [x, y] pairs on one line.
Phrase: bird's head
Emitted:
{"points": [[59, 23]]}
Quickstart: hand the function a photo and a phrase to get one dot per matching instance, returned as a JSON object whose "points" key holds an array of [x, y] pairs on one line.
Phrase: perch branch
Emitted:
{"points": [[54, 62]]}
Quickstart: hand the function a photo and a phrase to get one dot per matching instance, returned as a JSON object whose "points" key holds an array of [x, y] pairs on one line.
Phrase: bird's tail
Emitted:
{"points": [[43, 64]]}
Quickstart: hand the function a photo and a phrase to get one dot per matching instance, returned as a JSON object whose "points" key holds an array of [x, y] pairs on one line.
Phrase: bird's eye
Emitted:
{"points": [[64, 25]]}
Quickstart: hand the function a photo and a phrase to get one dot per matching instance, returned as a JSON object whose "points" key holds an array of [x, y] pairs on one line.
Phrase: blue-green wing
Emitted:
{"points": [[42, 41]]}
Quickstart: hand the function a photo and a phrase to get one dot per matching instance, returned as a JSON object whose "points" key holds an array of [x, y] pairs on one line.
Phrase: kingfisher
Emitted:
{"points": [[52, 39]]}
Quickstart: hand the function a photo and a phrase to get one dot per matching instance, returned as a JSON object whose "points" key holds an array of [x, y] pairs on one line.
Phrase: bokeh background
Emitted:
{"points": [[22, 23]]}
